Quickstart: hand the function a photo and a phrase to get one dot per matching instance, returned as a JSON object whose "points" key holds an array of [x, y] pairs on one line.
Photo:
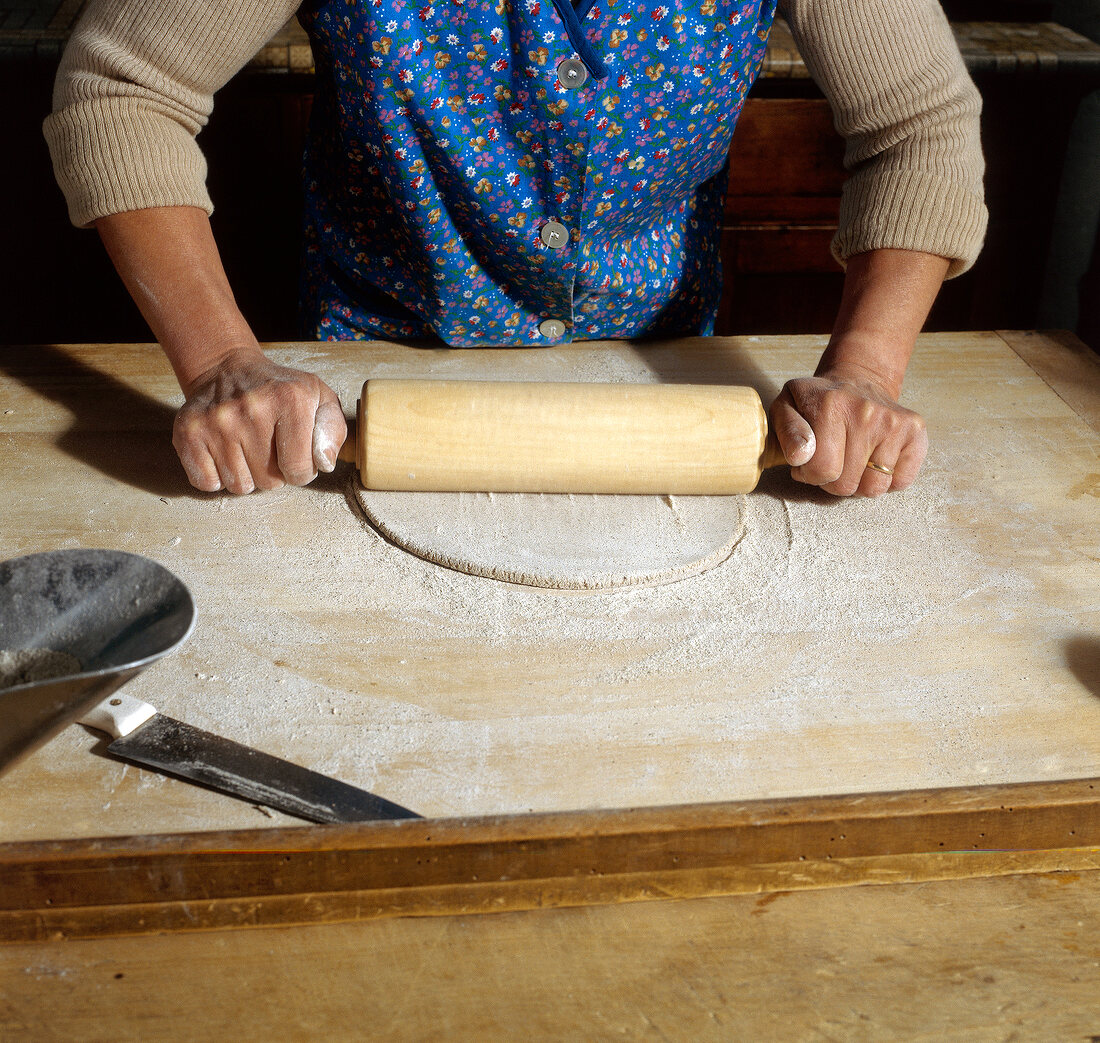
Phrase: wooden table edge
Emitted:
{"points": [[327, 874], [1065, 364]]}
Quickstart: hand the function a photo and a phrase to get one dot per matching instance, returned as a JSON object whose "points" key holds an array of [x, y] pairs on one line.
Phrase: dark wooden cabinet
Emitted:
{"points": [[781, 213]]}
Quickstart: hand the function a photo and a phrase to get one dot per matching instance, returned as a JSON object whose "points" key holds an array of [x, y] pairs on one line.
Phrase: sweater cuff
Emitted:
{"points": [[910, 210], [112, 156]]}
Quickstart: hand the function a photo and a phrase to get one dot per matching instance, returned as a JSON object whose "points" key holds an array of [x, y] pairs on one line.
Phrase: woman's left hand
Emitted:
{"points": [[842, 429], [834, 426]]}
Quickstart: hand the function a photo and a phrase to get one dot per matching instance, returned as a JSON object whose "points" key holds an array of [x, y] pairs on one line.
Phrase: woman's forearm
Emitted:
{"points": [[886, 299], [170, 264]]}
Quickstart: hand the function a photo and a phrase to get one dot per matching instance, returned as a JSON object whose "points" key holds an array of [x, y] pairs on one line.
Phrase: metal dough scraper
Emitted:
{"points": [[114, 614]]}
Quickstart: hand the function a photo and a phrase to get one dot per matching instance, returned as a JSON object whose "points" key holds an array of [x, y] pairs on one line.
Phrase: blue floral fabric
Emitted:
{"points": [[443, 140]]}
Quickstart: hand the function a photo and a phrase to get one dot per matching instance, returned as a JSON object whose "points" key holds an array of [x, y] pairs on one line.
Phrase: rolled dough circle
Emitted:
{"points": [[560, 541]]}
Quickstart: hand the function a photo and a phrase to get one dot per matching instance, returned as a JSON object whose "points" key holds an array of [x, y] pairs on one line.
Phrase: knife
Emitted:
{"points": [[152, 740]]}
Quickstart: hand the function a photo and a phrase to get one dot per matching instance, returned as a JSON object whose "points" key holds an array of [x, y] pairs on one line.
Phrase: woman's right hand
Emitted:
{"points": [[249, 424]]}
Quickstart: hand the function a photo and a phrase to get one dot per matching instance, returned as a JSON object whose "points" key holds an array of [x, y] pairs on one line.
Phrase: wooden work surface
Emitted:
{"points": [[324, 657], [1013, 958]]}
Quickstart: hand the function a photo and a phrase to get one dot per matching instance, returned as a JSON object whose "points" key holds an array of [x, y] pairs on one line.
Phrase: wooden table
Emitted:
{"points": [[980, 674], [1009, 958], [943, 637]]}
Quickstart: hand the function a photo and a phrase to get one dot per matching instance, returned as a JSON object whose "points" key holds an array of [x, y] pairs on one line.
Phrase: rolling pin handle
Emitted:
{"points": [[772, 456], [349, 450]]}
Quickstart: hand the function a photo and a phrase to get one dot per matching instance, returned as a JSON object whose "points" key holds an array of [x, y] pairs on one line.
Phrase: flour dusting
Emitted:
{"points": [[457, 694]]}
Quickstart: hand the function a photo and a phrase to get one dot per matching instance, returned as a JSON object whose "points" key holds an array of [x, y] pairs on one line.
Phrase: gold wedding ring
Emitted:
{"points": [[879, 468]]}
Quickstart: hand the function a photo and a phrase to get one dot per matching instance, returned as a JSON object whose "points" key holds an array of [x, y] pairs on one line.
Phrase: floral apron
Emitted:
{"points": [[521, 172]]}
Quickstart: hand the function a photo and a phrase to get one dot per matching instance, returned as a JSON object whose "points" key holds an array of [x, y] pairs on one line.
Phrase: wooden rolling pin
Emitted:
{"points": [[495, 436]]}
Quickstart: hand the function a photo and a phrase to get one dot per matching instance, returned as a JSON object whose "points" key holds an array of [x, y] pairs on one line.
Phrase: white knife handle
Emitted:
{"points": [[118, 716]]}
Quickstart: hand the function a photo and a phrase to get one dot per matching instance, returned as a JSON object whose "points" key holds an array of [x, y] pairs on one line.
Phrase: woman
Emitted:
{"points": [[518, 172]]}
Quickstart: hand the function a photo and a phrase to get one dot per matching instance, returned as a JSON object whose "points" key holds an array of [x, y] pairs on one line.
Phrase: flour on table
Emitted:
{"points": [[561, 541]]}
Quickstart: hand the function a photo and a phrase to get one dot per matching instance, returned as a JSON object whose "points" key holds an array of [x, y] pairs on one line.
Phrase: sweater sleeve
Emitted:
{"points": [[135, 86], [909, 112]]}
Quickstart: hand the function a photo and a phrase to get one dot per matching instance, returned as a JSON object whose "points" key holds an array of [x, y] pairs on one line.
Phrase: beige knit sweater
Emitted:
{"points": [[137, 83]]}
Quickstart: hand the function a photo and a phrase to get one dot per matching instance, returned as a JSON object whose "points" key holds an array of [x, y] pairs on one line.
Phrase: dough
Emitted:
{"points": [[565, 542]]}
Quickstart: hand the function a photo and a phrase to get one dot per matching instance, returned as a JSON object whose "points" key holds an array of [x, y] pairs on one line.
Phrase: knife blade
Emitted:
{"points": [[150, 739]]}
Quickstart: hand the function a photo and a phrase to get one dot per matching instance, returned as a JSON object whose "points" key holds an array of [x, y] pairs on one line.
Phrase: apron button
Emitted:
{"points": [[552, 329], [572, 73], [555, 235]]}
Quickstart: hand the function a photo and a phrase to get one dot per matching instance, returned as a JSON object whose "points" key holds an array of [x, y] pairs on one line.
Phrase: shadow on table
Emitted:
{"points": [[1083, 659], [115, 429], [698, 360], [778, 483], [120, 432]]}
